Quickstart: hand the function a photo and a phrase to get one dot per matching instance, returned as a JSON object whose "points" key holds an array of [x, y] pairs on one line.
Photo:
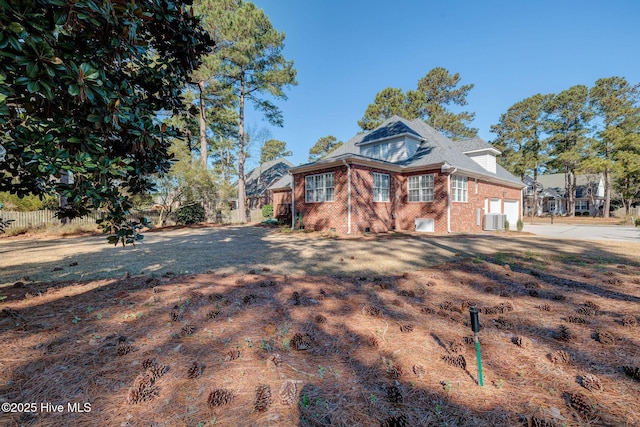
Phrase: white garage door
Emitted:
{"points": [[512, 212]]}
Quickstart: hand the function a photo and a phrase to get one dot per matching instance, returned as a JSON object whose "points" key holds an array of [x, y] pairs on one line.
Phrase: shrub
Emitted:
{"points": [[506, 225], [267, 211], [190, 214], [520, 224], [637, 222]]}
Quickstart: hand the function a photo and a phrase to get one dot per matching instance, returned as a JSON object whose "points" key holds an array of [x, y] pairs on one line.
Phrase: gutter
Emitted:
{"points": [[348, 196], [450, 171]]}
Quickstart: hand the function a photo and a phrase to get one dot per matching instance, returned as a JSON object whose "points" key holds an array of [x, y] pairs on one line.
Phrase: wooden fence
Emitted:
{"points": [[44, 217], [620, 213]]}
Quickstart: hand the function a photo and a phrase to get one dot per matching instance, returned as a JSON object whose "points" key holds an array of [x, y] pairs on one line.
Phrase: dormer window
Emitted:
{"points": [[381, 151]]}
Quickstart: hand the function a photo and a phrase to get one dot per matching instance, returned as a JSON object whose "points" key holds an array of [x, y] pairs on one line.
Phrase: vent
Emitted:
{"points": [[494, 222]]}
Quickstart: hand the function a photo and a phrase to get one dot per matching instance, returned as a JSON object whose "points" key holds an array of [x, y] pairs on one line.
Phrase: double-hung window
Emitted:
{"points": [[381, 151], [380, 187], [459, 188], [420, 188], [319, 188]]}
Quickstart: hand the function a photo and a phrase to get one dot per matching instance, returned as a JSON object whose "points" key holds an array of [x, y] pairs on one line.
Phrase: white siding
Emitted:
{"points": [[486, 160], [399, 149]]}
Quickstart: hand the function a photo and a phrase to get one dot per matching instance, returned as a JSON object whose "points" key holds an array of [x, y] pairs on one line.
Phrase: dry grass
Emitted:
{"points": [[367, 350]]}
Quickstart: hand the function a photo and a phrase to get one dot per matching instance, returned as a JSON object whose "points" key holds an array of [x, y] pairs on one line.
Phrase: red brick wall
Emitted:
{"points": [[281, 199], [323, 216], [397, 213], [463, 214]]}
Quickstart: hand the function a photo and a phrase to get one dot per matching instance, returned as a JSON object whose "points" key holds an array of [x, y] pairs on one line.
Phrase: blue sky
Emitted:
{"points": [[347, 51]]}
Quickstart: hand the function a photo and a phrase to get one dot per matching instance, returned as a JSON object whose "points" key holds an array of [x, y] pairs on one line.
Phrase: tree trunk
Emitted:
{"points": [[62, 200], [242, 216], [203, 127]]}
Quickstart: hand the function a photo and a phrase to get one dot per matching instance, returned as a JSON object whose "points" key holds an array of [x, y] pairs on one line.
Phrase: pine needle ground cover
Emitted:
{"points": [[259, 348]]}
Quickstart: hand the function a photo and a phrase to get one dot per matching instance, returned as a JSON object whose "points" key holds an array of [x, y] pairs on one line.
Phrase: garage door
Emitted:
{"points": [[512, 212]]}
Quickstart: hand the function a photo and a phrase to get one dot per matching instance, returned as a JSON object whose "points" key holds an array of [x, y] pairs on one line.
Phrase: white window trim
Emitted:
{"points": [[319, 194], [422, 189], [460, 194], [382, 189]]}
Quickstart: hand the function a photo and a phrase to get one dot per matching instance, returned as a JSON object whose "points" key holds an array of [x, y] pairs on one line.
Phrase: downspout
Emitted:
{"points": [[293, 202], [348, 196], [449, 199]]}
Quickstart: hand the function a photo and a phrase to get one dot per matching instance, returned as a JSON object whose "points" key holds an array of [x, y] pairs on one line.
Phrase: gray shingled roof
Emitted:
{"points": [[263, 176], [434, 150], [284, 182]]}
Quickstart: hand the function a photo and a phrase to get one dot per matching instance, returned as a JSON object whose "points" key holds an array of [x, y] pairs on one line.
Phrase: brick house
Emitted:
{"points": [[259, 180], [404, 175]]}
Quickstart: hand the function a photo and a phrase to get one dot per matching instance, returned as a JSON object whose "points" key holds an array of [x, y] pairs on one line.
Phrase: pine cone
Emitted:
{"points": [[523, 342], [213, 314], [540, 422], [176, 316], [301, 341], [232, 355], [320, 319], [147, 363], [591, 382], [559, 357], [581, 404], [395, 370], [419, 370], [288, 392], [629, 320], [632, 371], [219, 397], [395, 421], [543, 307], [577, 319], [604, 337], [124, 348], [406, 328], [263, 398], [371, 310], [187, 330], [195, 370], [143, 389], [276, 359], [394, 394], [457, 361], [564, 334], [156, 371], [250, 299]]}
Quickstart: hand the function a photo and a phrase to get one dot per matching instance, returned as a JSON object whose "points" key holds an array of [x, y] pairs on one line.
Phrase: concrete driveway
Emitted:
{"points": [[615, 233]]}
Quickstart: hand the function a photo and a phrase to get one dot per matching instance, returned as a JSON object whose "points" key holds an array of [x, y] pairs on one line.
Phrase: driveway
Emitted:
{"points": [[615, 233]]}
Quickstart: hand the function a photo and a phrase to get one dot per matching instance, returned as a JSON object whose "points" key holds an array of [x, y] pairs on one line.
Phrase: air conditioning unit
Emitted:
{"points": [[493, 221]]}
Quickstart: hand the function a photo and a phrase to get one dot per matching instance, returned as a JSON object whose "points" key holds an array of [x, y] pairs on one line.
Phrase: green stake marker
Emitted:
{"points": [[475, 327]]}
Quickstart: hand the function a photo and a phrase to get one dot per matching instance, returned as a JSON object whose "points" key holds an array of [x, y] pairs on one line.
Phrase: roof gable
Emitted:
{"points": [[260, 178]]}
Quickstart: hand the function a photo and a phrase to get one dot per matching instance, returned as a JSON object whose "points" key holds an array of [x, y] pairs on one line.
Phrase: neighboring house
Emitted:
{"points": [[552, 194], [261, 178], [403, 175]]}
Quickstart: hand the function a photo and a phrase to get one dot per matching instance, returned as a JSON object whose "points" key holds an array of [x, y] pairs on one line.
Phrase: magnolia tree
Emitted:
{"points": [[81, 83]]}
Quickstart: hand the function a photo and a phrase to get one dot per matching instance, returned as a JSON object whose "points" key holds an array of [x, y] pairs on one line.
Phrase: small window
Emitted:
{"points": [[319, 188], [381, 151], [420, 188], [459, 188], [380, 187]]}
